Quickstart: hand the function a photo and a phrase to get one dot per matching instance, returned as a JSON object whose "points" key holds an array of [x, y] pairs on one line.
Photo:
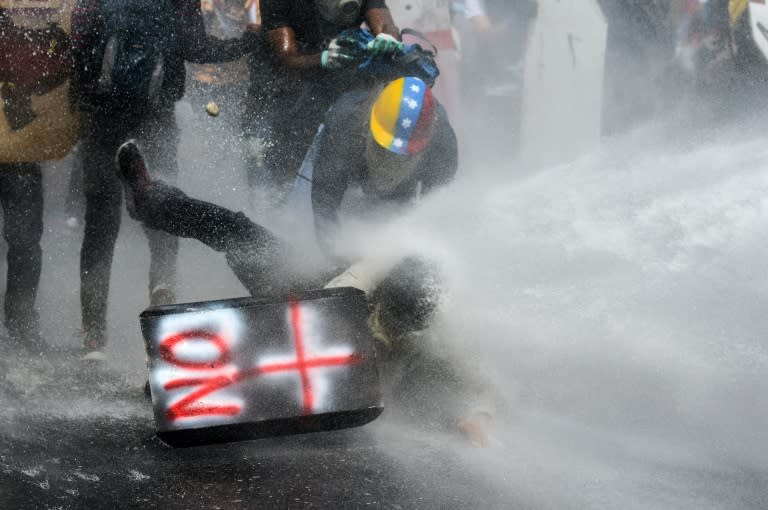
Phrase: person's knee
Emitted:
{"points": [[23, 232], [247, 236], [254, 268], [24, 245], [259, 260], [102, 215]]}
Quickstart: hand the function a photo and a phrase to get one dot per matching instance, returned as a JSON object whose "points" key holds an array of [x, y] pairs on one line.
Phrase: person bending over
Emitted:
{"points": [[402, 298], [313, 67]]}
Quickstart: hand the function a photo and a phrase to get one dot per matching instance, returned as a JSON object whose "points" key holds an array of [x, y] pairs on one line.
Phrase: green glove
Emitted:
{"points": [[341, 52], [384, 44]]}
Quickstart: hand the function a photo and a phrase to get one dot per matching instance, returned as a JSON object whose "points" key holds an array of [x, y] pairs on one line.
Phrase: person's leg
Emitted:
{"points": [[159, 137], [254, 254], [75, 200], [281, 158], [102, 224], [259, 110], [21, 194], [256, 144]]}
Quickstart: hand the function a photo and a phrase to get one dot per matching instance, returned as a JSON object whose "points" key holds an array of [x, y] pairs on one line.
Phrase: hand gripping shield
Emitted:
{"points": [[247, 368]]}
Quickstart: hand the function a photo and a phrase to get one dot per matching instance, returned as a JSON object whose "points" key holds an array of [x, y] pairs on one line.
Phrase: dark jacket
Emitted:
{"points": [[306, 94], [340, 162], [194, 46]]}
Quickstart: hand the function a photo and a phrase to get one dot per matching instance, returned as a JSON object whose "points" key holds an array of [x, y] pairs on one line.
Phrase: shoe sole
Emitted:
{"points": [[162, 296], [94, 356], [127, 155]]}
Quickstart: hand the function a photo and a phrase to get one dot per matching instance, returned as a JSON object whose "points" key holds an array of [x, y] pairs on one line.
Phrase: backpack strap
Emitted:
{"points": [[421, 36]]}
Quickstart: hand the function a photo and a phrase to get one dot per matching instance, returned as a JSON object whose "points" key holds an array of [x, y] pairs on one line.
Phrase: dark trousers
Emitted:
{"points": [[267, 266], [157, 134], [293, 130], [404, 301], [21, 195], [255, 255]]}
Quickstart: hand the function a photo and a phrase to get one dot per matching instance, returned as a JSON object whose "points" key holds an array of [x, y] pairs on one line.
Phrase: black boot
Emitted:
{"points": [[133, 173], [25, 333]]}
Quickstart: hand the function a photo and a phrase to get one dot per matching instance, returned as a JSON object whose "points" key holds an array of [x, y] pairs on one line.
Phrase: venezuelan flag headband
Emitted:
{"points": [[403, 116]]}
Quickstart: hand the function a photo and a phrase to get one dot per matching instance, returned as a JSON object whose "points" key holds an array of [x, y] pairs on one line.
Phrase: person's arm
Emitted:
{"points": [[286, 51], [481, 23], [474, 8], [380, 21], [339, 161], [484, 404], [276, 22], [329, 183], [474, 11], [199, 47], [87, 24], [443, 158]]}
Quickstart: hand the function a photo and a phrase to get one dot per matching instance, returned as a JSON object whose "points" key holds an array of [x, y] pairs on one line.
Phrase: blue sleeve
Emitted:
{"points": [[340, 156]]}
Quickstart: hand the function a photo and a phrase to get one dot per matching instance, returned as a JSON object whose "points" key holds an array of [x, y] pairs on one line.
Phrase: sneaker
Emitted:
{"points": [[25, 334], [36, 345], [31, 345], [132, 171], [94, 355], [93, 350], [162, 295]]}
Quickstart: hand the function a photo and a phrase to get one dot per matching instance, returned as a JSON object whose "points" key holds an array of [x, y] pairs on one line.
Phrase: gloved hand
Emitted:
{"points": [[342, 52], [384, 44]]}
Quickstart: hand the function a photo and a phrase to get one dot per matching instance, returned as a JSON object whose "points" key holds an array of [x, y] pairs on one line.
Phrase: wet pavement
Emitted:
{"points": [[74, 439]]}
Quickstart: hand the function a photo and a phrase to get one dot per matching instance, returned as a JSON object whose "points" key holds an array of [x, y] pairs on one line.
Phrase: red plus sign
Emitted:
{"points": [[302, 364], [191, 405]]}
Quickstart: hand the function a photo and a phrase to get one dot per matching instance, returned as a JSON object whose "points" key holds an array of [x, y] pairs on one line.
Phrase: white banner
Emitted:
{"points": [[422, 15], [563, 81], [758, 20]]}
